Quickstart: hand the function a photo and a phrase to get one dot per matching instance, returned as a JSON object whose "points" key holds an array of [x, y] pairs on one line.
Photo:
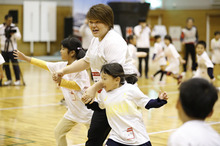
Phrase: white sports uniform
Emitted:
{"points": [[77, 111], [203, 63], [215, 45], [194, 133], [173, 59], [158, 50], [1, 59], [123, 109], [111, 49]]}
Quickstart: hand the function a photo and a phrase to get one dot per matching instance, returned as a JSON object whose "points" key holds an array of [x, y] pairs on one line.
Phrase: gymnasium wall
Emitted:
{"points": [[169, 18], [39, 47]]}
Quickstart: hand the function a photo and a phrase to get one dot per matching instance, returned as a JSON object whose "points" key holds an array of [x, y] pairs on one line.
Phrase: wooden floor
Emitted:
{"points": [[29, 114]]}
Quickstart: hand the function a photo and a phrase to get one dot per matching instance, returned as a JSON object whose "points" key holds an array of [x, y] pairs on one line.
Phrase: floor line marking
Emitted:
{"points": [[29, 96], [29, 106]]}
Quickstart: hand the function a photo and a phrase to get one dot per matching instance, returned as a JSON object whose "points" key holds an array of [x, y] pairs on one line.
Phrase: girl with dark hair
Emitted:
{"points": [[122, 102], [174, 59], [72, 85]]}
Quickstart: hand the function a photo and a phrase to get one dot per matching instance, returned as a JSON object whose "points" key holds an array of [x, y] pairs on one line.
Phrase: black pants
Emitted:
{"points": [[190, 49], [111, 142], [146, 61], [9, 56], [98, 130]]}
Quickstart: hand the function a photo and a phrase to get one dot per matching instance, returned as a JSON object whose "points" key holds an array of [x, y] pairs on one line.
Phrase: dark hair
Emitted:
{"points": [[115, 70], [190, 18], [216, 33], [201, 43], [103, 13], [157, 37], [8, 16], [74, 44], [168, 37], [197, 97], [129, 38], [141, 20]]}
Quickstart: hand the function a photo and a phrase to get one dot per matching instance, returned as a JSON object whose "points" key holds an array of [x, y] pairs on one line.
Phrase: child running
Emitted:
{"points": [[131, 39], [72, 85], [122, 102], [196, 101], [159, 56], [173, 58], [205, 65]]}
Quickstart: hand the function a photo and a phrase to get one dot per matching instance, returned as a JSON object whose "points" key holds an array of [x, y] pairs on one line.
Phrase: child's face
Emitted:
{"points": [[109, 82], [158, 40], [200, 49], [217, 37], [64, 53], [134, 40], [167, 42]]}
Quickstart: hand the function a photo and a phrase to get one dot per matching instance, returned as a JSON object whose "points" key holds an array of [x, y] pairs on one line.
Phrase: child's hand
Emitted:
{"points": [[182, 61], [163, 96], [18, 55], [57, 76]]}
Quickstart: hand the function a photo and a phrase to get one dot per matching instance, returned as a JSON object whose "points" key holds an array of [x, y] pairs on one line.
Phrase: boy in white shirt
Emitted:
{"points": [[196, 100], [1, 69], [205, 65]]}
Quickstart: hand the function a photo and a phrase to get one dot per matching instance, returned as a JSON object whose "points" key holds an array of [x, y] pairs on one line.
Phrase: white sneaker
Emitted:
{"points": [[9, 82], [183, 73], [17, 83], [194, 72]]}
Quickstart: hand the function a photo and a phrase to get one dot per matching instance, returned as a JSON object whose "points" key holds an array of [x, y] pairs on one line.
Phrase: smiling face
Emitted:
{"points": [[200, 49], [109, 82], [98, 28], [167, 42]]}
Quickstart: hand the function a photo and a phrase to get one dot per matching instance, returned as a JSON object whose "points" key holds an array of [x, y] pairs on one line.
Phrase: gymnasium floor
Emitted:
{"points": [[29, 114]]}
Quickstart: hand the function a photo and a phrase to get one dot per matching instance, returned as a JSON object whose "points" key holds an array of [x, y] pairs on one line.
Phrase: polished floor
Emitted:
{"points": [[29, 114]]}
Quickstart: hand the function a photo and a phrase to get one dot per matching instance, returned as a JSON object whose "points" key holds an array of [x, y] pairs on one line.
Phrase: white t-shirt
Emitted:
{"points": [[215, 45], [203, 63], [173, 58], [16, 36], [1, 59], [111, 49], [123, 109], [77, 111], [194, 133], [86, 35], [143, 39], [158, 50]]}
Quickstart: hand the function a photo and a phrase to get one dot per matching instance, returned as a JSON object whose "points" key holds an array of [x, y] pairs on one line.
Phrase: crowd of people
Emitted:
{"points": [[115, 111]]}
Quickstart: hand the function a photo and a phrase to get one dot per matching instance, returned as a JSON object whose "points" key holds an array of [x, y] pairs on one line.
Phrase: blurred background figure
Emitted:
{"points": [[8, 42], [189, 38], [86, 35], [142, 32]]}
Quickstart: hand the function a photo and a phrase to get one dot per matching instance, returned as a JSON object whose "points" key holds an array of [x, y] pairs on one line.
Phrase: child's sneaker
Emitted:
{"points": [[17, 83], [7, 83]]}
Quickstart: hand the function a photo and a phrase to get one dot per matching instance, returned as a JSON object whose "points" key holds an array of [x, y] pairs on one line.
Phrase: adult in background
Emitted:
{"points": [[8, 39], [142, 31], [86, 35], [189, 38]]}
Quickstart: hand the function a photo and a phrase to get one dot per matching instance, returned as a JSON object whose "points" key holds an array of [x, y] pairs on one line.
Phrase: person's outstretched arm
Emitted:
{"points": [[156, 103]]}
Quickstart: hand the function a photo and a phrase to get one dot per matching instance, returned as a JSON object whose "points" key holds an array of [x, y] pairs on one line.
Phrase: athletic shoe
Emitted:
{"points": [[17, 83], [183, 73], [194, 72], [7, 83]]}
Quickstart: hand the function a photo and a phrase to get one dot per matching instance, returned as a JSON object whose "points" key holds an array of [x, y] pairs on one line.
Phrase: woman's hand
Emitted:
{"points": [[89, 95], [57, 76]]}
